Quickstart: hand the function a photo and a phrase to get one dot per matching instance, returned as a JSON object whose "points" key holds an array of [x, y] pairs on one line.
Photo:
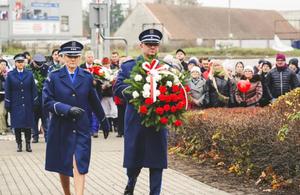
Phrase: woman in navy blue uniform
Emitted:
{"points": [[144, 147], [69, 95], [20, 98]]}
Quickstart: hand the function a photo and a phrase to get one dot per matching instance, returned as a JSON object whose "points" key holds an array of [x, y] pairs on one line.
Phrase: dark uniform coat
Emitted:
{"points": [[68, 136], [20, 98], [144, 147]]}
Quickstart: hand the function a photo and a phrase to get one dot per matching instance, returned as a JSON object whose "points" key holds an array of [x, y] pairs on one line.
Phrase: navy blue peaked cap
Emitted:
{"points": [[71, 48], [19, 57], [150, 36]]}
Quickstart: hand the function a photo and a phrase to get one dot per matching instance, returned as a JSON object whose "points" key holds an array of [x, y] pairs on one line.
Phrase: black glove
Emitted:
{"points": [[105, 127], [76, 112]]}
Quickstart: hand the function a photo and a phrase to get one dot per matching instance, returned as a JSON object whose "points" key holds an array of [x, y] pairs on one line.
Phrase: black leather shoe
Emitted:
{"points": [[28, 147], [35, 141], [119, 135], [128, 191], [19, 148]]}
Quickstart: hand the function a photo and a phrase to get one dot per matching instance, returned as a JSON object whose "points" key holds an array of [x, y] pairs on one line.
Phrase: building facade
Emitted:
{"points": [[40, 19]]}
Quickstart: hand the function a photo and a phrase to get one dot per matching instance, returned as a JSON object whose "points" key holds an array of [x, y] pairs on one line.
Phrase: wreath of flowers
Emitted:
{"points": [[159, 94]]}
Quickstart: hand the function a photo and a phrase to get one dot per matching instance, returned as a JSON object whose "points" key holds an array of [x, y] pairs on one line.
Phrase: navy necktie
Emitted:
{"points": [[72, 76], [20, 74]]}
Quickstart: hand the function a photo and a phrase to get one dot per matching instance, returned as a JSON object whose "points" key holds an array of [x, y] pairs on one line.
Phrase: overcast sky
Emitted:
{"points": [[251, 4]]}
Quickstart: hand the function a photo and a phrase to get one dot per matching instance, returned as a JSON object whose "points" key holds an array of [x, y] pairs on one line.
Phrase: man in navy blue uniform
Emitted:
{"points": [[69, 95], [20, 99], [144, 147]]}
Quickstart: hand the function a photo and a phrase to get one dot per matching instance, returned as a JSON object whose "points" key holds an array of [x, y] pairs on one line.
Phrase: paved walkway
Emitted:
{"points": [[23, 173]]}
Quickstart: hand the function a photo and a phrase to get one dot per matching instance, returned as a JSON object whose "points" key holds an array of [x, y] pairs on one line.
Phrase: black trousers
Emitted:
{"points": [[18, 135], [121, 115]]}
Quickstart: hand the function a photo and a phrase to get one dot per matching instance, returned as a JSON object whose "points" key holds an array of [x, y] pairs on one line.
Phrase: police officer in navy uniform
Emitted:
{"points": [[20, 99], [69, 94], [144, 147]]}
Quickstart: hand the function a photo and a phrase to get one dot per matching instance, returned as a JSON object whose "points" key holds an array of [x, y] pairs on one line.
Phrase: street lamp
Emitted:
{"points": [[230, 35]]}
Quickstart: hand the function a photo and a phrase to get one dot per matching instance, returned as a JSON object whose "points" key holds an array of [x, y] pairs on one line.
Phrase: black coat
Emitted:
{"points": [[266, 96], [224, 87], [281, 81]]}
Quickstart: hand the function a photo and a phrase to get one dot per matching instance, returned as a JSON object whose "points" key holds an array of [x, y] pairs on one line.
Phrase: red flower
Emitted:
{"points": [[148, 101], [168, 99], [162, 89], [175, 88], [143, 109], [173, 97], [180, 105], [117, 100], [164, 120], [187, 88], [180, 96], [162, 97], [173, 109], [159, 110], [167, 107], [177, 123]]}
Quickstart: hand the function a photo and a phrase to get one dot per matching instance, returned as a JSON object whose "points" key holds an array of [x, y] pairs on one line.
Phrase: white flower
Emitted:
{"points": [[36, 81], [148, 79], [158, 78], [176, 81], [157, 93], [138, 77], [146, 94], [169, 83], [146, 87], [135, 94]]}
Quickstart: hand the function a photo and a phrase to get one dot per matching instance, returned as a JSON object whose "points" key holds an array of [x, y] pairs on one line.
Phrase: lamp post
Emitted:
{"points": [[230, 35]]}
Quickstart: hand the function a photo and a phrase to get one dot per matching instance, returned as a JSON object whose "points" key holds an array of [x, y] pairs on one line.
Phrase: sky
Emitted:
{"points": [[250, 4]]}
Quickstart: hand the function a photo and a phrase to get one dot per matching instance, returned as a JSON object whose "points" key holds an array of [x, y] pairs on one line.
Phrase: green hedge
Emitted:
{"points": [[258, 142]]}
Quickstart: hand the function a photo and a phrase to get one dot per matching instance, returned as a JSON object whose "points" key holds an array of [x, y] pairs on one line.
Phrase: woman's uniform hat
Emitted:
{"points": [[71, 48], [150, 36]]}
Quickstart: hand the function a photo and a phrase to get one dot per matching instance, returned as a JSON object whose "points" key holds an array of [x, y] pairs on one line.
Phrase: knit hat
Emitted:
{"points": [[105, 60], [266, 62], [294, 61], [196, 69], [280, 56], [193, 61], [249, 68]]}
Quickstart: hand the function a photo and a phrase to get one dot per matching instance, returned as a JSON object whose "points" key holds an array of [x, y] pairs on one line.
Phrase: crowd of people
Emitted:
{"points": [[215, 84], [40, 91]]}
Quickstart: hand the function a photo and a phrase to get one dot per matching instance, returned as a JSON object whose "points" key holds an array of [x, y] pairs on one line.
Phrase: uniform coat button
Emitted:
{"points": [[23, 104], [74, 131], [74, 119], [73, 95]]}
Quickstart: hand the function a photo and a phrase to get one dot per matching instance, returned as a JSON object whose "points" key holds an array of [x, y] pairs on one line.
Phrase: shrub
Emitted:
{"points": [[248, 140]]}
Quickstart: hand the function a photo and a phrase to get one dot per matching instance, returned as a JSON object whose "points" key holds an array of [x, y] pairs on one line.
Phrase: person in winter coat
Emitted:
{"points": [[253, 95], [293, 65], [219, 86], [21, 96], [281, 79], [69, 95], [197, 84], [265, 69]]}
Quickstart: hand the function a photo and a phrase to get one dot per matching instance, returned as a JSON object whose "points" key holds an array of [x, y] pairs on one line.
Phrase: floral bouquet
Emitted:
{"points": [[97, 72], [159, 94]]}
